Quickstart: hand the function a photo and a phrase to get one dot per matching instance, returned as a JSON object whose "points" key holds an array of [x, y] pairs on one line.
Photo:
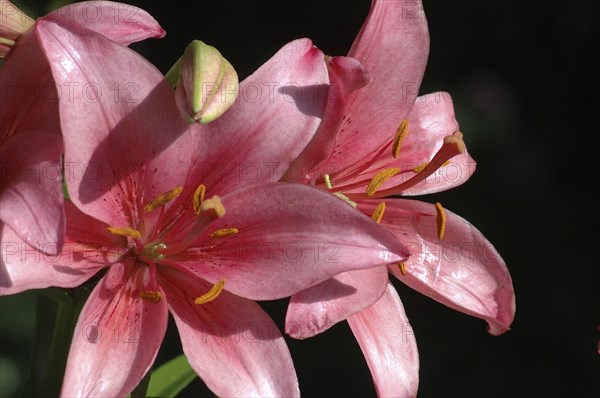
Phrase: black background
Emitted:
{"points": [[524, 77]]}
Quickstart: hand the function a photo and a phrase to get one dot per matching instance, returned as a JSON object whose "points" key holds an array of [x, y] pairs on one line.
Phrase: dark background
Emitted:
{"points": [[524, 77]]}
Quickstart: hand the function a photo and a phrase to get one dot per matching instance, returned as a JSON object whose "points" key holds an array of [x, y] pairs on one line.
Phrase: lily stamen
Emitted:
{"points": [[125, 231], [212, 294], [219, 233], [441, 220], [199, 198], [327, 181], [402, 268], [151, 296], [400, 135], [163, 199], [378, 213], [380, 178], [453, 145]]}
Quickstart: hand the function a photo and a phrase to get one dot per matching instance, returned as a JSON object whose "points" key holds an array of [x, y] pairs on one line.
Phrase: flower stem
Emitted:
{"points": [[55, 320]]}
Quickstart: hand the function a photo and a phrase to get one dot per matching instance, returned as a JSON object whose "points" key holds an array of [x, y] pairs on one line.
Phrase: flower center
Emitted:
{"points": [[175, 231]]}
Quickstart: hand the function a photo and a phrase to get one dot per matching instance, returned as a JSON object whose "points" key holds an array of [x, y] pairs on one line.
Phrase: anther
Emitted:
{"points": [[212, 294], [163, 199], [402, 268], [151, 296], [125, 231], [441, 220], [378, 213], [327, 181], [219, 233], [380, 178], [400, 134], [199, 198]]}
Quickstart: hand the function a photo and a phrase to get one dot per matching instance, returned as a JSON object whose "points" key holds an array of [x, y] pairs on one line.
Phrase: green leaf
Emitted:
{"points": [[171, 378]]}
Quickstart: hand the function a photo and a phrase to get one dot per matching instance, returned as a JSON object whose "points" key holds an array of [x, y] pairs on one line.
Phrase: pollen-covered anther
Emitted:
{"points": [[378, 212], [212, 294], [220, 233], [163, 199], [199, 198], [400, 135], [151, 296], [441, 220], [125, 231], [380, 178], [402, 268], [213, 208]]}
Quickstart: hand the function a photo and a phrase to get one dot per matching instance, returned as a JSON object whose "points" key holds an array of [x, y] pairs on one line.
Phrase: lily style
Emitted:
{"points": [[383, 140], [185, 218], [31, 197]]}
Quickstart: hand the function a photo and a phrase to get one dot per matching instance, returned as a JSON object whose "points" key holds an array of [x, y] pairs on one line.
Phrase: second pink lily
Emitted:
{"points": [[383, 140]]}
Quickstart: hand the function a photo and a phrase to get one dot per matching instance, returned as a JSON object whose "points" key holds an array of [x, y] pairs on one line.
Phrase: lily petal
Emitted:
{"points": [[120, 22], [393, 46], [31, 190], [119, 102], [345, 76], [88, 247], [278, 109], [116, 339], [463, 270], [291, 236], [316, 309], [389, 346], [233, 345]]}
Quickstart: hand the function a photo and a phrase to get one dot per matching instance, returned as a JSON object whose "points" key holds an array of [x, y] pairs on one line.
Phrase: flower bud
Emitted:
{"points": [[207, 85], [13, 22]]}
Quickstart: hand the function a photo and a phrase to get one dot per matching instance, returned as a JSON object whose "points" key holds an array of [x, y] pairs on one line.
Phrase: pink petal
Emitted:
{"points": [[29, 99], [389, 346], [393, 46], [116, 339], [125, 142], [31, 195], [120, 22], [278, 110], [316, 309], [291, 236], [463, 270], [88, 248], [345, 76], [233, 345], [431, 119]]}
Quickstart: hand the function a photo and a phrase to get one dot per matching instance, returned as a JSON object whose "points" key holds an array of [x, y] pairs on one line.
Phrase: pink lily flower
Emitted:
{"points": [[183, 219], [31, 197], [391, 142]]}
